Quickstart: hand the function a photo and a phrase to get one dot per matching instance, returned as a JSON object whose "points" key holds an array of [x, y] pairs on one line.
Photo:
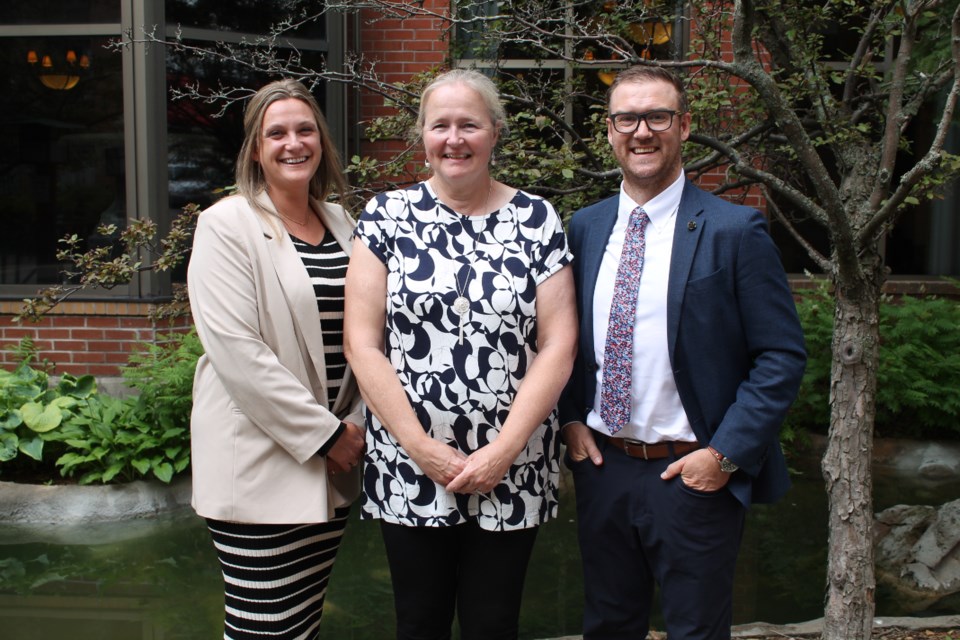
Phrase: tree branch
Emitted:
{"points": [[887, 213]]}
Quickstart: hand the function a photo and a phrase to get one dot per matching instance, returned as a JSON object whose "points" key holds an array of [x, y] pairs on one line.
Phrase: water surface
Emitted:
{"points": [[167, 585]]}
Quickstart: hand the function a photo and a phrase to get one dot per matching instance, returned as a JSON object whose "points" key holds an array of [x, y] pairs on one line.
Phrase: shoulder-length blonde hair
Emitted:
{"points": [[249, 176]]}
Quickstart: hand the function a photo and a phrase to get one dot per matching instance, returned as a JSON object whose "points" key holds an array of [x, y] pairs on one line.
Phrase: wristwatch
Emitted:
{"points": [[726, 464]]}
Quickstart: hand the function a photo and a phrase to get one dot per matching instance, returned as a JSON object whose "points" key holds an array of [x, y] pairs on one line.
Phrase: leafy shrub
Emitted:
{"points": [[163, 374], [31, 413], [109, 441], [98, 438], [919, 368]]}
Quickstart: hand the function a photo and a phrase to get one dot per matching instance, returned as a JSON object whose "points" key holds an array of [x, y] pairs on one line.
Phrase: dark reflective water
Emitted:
{"points": [[167, 585]]}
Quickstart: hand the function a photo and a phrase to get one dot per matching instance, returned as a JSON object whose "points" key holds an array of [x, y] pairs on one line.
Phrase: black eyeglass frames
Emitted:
{"points": [[657, 120]]}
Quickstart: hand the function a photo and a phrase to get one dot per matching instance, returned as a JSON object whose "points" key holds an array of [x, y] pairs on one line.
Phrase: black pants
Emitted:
{"points": [[637, 531], [439, 570]]}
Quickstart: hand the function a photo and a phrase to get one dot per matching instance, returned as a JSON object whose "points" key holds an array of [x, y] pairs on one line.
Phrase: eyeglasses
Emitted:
{"points": [[657, 120]]}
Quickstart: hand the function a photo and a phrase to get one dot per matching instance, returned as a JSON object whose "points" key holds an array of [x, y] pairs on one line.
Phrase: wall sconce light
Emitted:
{"points": [[60, 73]]}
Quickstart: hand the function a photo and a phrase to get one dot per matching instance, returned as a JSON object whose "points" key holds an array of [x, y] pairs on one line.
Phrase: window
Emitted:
{"points": [[83, 127], [62, 140]]}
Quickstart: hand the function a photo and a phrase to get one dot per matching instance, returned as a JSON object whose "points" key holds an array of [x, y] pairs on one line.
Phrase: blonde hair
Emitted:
{"points": [[478, 82], [250, 181]]}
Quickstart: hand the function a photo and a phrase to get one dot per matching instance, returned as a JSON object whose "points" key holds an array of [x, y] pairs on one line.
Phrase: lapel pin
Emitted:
{"points": [[692, 225]]}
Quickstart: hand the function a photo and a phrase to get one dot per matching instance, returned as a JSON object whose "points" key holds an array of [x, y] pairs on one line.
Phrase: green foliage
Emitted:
{"points": [[31, 413], [163, 374], [918, 373], [92, 437], [117, 262], [110, 441]]}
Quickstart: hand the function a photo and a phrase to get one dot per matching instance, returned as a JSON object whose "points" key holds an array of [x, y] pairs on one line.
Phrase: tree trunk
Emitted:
{"points": [[849, 609]]}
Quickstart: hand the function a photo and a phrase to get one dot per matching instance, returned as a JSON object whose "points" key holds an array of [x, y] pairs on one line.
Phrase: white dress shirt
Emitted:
{"points": [[656, 414]]}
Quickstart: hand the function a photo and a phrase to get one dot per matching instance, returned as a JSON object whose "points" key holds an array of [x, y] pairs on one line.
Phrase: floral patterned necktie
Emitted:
{"points": [[618, 351]]}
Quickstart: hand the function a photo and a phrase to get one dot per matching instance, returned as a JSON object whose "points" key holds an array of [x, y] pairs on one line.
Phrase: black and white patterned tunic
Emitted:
{"points": [[462, 392]]}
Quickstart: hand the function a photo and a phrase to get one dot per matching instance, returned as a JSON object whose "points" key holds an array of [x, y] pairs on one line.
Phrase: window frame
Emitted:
{"points": [[144, 129]]}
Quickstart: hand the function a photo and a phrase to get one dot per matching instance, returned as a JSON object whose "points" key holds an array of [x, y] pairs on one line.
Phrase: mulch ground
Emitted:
{"points": [[890, 633], [884, 634]]}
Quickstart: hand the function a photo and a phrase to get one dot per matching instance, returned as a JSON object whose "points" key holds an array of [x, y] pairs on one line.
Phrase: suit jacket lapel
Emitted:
{"points": [[297, 289], [686, 237], [594, 246], [338, 223]]}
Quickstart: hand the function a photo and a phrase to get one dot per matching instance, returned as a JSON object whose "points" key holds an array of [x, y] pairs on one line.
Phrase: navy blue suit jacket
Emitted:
{"points": [[735, 341]]}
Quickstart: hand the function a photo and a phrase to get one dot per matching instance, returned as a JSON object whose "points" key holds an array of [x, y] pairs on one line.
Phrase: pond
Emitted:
{"points": [[167, 586]]}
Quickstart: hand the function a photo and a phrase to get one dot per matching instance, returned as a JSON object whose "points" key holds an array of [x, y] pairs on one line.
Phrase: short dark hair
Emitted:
{"points": [[650, 73]]}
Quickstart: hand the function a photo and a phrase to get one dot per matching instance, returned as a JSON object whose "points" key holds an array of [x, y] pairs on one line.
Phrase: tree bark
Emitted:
{"points": [[850, 593]]}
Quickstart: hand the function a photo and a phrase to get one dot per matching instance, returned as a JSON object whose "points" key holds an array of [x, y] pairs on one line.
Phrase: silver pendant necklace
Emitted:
{"points": [[461, 305]]}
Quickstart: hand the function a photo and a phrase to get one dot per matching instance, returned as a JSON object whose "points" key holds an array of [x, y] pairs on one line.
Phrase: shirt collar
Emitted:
{"points": [[661, 209]]}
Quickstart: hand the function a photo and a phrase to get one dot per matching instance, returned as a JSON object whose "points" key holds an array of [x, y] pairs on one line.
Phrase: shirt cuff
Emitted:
{"points": [[332, 440]]}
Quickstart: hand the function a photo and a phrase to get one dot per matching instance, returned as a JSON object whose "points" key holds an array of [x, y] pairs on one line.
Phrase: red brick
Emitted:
{"points": [[89, 356], [419, 45], [69, 345], [12, 333], [101, 321], [86, 334], [433, 58], [136, 323], [121, 334], [100, 370], [111, 346]]}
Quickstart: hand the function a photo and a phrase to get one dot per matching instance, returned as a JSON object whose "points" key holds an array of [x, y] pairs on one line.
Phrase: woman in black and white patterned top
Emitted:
{"points": [[460, 326]]}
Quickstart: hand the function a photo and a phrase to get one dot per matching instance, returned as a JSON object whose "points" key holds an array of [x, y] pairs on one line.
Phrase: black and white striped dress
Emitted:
{"points": [[276, 575]]}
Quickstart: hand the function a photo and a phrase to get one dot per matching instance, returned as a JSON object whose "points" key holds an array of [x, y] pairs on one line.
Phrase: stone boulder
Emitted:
{"points": [[918, 552]]}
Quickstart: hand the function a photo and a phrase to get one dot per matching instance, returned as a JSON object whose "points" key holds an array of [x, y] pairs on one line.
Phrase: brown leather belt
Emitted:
{"points": [[656, 451]]}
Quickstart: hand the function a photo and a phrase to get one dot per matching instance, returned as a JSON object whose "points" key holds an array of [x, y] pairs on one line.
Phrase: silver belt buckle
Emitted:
{"points": [[630, 442]]}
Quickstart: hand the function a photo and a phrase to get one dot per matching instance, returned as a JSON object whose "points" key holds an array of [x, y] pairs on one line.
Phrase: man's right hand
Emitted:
{"points": [[580, 443]]}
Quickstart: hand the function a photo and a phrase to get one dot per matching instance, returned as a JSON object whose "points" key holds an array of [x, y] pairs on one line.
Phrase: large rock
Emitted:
{"points": [[918, 552]]}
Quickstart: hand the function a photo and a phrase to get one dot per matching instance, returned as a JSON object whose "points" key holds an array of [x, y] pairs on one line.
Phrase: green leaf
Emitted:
{"points": [[64, 402], [163, 471], [32, 447], [102, 430], [112, 472], [141, 464], [39, 418], [11, 421], [89, 477], [9, 444]]}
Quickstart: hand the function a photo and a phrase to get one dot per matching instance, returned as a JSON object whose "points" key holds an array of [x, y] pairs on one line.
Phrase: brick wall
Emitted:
{"points": [[83, 337], [401, 48]]}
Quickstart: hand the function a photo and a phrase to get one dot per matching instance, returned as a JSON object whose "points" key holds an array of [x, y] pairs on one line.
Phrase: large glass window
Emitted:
{"points": [[90, 135], [61, 140], [59, 11], [246, 16]]}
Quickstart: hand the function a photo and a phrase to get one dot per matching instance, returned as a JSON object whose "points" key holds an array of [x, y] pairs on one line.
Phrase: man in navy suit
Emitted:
{"points": [[717, 357]]}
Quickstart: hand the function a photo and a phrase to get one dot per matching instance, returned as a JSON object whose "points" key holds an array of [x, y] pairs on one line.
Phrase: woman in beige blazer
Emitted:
{"points": [[276, 424]]}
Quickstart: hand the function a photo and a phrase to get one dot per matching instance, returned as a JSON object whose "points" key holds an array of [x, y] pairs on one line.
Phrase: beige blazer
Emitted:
{"points": [[259, 398]]}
